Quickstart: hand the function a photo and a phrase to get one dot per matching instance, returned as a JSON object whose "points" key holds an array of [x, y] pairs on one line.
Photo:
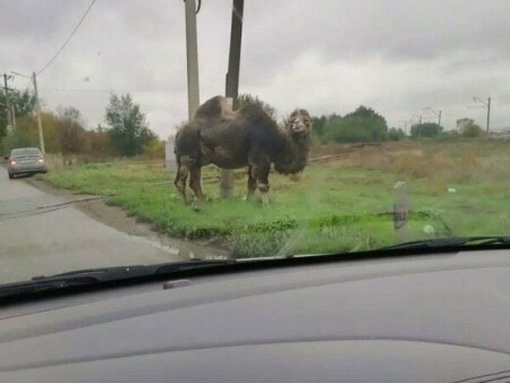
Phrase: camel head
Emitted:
{"points": [[299, 124]]}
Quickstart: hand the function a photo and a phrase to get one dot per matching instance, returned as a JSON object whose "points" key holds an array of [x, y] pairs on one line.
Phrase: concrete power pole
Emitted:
{"points": [[437, 114], [488, 114], [12, 112], [232, 82], [192, 58], [38, 111], [485, 105], [192, 70], [9, 110]]}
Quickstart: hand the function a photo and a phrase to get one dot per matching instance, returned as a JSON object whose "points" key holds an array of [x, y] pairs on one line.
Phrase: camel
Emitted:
{"points": [[247, 137]]}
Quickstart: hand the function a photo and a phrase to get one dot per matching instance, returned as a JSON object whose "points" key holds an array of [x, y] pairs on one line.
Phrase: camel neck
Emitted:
{"points": [[293, 157]]}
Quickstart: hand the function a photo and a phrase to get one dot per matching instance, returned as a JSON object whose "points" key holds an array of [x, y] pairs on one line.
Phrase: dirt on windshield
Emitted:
{"points": [[113, 216]]}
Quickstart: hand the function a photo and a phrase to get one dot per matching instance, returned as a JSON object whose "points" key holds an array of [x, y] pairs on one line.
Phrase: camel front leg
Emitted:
{"points": [[194, 181], [262, 176]]}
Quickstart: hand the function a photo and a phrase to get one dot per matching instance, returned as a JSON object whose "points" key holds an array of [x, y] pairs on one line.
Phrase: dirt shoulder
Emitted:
{"points": [[115, 217], [96, 208]]}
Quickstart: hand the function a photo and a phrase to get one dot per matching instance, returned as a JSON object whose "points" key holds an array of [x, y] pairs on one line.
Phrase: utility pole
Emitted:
{"points": [[232, 82], [488, 113], [485, 105], [192, 58], [38, 111], [9, 110], [13, 114], [437, 114], [37, 108]]}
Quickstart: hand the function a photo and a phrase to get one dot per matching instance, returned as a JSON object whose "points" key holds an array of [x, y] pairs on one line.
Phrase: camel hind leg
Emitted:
{"points": [[181, 177], [259, 178], [252, 183], [194, 181]]}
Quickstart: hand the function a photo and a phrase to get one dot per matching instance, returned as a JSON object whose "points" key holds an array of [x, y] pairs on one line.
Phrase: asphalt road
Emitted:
{"points": [[41, 234]]}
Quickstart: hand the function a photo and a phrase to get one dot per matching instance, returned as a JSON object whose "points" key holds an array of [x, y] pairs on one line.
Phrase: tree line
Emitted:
{"points": [[362, 125], [126, 132], [366, 125]]}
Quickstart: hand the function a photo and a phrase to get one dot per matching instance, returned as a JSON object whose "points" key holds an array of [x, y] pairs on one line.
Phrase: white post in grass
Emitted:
{"points": [[400, 211], [171, 164]]}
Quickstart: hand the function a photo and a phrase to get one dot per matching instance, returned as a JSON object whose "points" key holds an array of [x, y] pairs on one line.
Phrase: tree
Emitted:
{"points": [[362, 125], [426, 130], [51, 132], [319, 125], [23, 102], [468, 128], [25, 134], [248, 99], [71, 132], [364, 112], [155, 149], [99, 142], [18, 138], [472, 131], [129, 132], [463, 122], [395, 134]]}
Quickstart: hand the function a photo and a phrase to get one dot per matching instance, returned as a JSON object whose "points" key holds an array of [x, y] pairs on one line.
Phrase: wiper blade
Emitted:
{"points": [[123, 272], [92, 277], [452, 242]]}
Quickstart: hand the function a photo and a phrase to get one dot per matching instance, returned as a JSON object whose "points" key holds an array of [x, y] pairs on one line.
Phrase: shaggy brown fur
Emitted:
{"points": [[248, 137]]}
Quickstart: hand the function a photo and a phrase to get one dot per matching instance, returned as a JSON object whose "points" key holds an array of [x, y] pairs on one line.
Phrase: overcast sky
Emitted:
{"points": [[396, 56]]}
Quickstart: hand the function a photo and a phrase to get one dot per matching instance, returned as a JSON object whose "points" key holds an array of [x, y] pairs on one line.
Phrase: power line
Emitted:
{"points": [[112, 90], [69, 38]]}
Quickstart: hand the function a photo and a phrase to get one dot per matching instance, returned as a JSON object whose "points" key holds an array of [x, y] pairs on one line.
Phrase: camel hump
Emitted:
{"points": [[255, 112], [213, 109]]}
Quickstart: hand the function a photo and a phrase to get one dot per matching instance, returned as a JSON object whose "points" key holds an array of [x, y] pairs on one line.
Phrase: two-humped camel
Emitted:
{"points": [[247, 137]]}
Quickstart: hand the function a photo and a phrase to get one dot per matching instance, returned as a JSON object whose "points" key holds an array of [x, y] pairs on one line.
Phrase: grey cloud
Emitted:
{"points": [[38, 19], [453, 47], [397, 31]]}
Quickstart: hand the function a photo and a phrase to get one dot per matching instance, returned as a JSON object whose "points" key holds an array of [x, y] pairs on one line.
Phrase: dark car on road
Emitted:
{"points": [[25, 161]]}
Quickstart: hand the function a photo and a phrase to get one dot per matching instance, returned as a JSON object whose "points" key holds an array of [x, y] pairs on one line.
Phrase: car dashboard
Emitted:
{"points": [[428, 318]]}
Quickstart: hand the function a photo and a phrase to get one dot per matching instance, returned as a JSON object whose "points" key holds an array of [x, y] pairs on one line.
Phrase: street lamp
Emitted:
{"points": [[38, 108]]}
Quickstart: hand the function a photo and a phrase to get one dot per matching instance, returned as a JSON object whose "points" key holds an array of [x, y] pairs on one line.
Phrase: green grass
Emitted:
{"points": [[339, 206]]}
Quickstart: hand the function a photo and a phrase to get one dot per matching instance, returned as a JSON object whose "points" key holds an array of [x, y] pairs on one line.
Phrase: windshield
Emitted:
{"points": [[226, 129], [25, 152]]}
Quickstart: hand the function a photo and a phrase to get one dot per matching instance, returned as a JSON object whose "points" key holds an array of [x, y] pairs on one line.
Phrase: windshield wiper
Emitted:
{"points": [[452, 242], [118, 276], [102, 276]]}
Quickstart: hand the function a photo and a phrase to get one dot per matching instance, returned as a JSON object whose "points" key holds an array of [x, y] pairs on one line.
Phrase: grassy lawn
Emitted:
{"points": [[342, 205]]}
